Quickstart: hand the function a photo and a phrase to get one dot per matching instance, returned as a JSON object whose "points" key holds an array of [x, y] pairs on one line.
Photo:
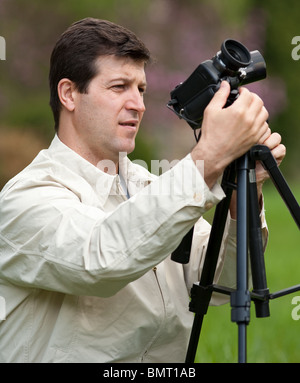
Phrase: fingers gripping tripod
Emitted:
{"points": [[249, 238]]}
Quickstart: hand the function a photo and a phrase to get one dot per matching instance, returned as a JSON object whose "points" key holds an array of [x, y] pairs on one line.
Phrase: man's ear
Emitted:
{"points": [[65, 90]]}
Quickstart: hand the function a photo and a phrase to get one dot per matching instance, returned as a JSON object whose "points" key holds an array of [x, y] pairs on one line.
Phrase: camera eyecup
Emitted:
{"points": [[234, 55]]}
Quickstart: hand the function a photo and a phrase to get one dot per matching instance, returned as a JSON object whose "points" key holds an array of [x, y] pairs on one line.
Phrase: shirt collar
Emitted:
{"points": [[134, 176]]}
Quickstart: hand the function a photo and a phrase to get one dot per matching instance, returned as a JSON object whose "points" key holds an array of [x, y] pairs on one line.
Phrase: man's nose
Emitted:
{"points": [[136, 101]]}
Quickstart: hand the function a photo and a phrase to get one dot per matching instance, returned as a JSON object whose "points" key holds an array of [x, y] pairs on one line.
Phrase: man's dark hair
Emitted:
{"points": [[75, 53]]}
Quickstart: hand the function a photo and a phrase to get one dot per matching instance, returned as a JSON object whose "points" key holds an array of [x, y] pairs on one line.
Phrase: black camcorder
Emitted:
{"points": [[234, 63]]}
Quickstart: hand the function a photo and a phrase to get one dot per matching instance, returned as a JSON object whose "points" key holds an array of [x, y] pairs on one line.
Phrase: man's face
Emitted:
{"points": [[107, 118]]}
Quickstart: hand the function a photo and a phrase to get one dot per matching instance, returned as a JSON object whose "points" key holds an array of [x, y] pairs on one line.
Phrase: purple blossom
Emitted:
{"points": [[192, 38]]}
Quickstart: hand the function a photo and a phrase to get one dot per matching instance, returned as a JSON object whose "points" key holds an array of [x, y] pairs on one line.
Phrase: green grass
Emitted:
{"points": [[275, 339]]}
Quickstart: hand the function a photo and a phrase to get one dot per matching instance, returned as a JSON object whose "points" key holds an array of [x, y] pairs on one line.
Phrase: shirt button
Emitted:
{"points": [[197, 197], [208, 205]]}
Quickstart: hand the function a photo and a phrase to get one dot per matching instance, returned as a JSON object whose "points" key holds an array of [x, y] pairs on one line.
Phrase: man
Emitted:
{"points": [[85, 234]]}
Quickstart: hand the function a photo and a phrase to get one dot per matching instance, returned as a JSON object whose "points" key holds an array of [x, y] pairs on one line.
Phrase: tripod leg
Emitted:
{"points": [[201, 293], [256, 250], [194, 337], [240, 299], [262, 153]]}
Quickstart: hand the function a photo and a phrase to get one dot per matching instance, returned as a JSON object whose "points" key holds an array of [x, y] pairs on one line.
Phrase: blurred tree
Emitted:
{"points": [[180, 35], [281, 26]]}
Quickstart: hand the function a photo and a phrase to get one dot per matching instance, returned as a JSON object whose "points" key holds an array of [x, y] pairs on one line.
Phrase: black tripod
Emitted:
{"points": [[249, 237]]}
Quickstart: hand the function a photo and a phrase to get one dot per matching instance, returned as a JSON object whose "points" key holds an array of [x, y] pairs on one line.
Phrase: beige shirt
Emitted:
{"points": [[85, 273]]}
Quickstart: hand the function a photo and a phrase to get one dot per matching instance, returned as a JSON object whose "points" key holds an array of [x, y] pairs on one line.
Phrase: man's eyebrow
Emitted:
{"points": [[121, 78], [126, 80]]}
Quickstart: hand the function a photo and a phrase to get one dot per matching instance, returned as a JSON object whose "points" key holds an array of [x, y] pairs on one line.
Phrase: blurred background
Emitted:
{"points": [[180, 35]]}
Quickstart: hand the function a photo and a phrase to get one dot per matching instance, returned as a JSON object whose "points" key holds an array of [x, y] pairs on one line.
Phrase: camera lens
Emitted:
{"points": [[234, 55]]}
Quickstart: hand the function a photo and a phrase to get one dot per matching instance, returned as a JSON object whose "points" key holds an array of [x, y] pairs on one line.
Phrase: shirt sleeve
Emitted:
{"points": [[49, 239]]}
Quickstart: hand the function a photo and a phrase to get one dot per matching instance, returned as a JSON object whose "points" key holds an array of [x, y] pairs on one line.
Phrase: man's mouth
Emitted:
{"points": [[129, 123]]}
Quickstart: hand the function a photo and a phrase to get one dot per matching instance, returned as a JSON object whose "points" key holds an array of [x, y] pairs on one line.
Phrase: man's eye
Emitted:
{"points": [[142, 90], [119, 86]]}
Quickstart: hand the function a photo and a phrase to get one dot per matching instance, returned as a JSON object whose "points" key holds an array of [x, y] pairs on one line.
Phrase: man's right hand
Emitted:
{"points": [[228, 133]]}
